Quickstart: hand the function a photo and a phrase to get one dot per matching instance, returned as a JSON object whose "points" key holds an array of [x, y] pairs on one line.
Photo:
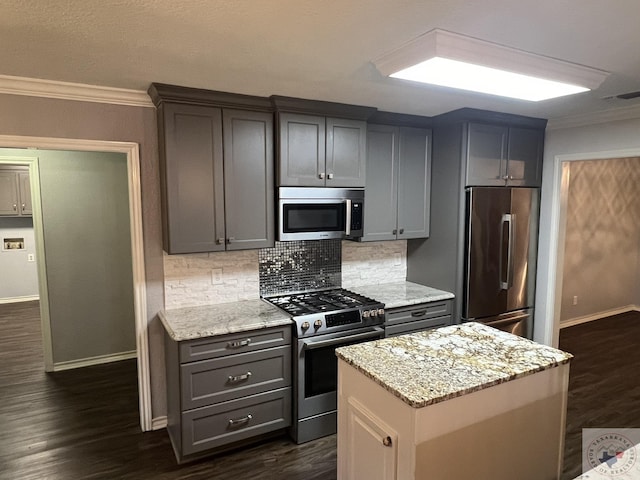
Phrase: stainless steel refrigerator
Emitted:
{"points": [[500, 257]]}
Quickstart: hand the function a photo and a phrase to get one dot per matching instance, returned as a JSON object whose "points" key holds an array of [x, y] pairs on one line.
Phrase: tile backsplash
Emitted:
{"points": [[223, 277], [300, 266]]}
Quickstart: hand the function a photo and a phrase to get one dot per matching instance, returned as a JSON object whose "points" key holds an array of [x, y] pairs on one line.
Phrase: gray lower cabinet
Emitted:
{"points": [[227, 390], [499, 155], [319, 151], [415, 318], [217, 170], [398, 183], [15, 192]]}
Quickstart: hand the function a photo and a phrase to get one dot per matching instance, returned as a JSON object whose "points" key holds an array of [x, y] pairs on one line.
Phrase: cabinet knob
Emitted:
{"points": [[387, 441], [231, 239], [505, 177], [321, 176], [330, 176], [401, 231], [220, 241], [23, 207], [15, 207]]}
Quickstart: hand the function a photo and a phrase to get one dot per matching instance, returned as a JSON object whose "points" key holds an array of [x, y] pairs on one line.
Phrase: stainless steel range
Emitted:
{"points": [[325, 320]]}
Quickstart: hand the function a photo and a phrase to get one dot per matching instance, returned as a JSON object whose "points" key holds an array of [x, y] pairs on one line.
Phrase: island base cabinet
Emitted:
{"points": [[511, 430]]}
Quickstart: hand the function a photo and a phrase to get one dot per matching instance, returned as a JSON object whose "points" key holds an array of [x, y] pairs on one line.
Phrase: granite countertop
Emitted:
{"points": [[188, 323], [436, 365], [402, 294]]}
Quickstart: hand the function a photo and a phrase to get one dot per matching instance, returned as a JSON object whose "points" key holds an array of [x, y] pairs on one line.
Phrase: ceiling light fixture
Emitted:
{"points": [[452, 60]]}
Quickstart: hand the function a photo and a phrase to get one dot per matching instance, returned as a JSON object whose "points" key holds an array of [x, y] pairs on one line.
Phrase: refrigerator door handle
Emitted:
{"points": [[509, 219]]}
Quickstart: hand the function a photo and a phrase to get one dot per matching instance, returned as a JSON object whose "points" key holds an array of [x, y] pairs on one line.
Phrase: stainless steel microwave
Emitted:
{"points": [[319, 213]]}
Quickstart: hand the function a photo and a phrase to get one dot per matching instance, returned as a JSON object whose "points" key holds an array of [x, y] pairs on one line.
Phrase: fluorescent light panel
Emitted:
{"points": [[453, 60], [477, 78]]}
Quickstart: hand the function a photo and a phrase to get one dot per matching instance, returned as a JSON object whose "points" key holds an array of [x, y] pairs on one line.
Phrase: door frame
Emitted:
{"points": [[549, 299], [132, 151]]}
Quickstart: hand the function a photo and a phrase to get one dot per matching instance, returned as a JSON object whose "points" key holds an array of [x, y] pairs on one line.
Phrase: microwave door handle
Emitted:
{"points": [[347, 230]]}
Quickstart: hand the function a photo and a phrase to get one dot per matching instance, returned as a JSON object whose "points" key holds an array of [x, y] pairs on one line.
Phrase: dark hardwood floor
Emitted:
{"points": [[84, 424], [604, 383]]}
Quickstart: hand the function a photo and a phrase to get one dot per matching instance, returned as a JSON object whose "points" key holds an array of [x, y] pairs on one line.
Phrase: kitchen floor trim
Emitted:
{"points": [[599, 315]]}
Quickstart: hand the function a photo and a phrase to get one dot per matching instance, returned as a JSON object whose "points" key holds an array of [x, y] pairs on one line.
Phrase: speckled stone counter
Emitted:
{"points": [[402, 294], [433, 366], [189, 323]]}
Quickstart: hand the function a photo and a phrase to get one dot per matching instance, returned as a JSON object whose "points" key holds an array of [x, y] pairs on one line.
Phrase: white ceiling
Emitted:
{"points": [[320, 49]]}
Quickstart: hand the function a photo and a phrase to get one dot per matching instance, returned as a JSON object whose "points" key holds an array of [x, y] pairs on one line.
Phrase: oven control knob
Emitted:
{"points": [[381, 312], [365, 314], [305, 326], [374, 313], [317, 323]]}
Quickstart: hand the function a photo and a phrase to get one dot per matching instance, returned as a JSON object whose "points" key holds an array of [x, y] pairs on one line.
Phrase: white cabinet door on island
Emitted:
{"points": [[460, 402]]}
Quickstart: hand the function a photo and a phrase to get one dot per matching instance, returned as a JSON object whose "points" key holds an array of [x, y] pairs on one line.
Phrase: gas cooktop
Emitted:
{"points": [[329, 310]]}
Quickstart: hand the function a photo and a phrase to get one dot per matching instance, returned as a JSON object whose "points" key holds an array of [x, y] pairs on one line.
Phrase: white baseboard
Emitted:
{"points": [[159, 422], [28, 298], [87, 362], [597, 316]]}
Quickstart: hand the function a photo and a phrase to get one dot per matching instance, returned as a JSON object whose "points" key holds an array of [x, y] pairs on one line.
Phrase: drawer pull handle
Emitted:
{"points": [[238, 422], [239, 343], [239, 378], [419, 313]]}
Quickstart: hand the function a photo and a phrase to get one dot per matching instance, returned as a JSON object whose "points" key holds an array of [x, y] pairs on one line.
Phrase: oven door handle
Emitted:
{"points": [[375, 333]]}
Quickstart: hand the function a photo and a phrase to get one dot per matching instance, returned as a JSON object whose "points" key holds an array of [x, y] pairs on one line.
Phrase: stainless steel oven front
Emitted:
{"points": [[316, 374]]}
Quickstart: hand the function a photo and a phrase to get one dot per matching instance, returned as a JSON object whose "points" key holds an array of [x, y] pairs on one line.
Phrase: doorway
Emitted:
{"points": [[549, 301], [130, 156]]}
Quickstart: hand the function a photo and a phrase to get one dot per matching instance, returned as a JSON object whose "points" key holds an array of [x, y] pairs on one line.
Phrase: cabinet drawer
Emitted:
{"points": [[214, 347], [418, 312], [227, 422], [410, 327], [227, 378]]}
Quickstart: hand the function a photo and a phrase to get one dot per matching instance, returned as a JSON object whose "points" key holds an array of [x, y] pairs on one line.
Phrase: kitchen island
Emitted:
{"points": [[464, 401]]}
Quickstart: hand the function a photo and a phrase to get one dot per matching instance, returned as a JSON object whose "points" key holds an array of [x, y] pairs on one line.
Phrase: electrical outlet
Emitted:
{"points": [[31, 257], [216, 276], [397, 259], [575, 299]]}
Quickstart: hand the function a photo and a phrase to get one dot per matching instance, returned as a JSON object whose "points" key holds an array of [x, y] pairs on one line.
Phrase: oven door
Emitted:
{"points": [[317, 369]]}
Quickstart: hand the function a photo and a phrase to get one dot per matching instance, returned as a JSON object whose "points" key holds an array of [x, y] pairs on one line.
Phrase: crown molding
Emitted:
{"points": [[603, 116], [36, 87]]}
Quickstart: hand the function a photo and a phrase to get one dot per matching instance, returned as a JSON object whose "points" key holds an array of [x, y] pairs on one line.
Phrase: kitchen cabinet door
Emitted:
{"points": [[25, 193], [248, 179], [524, 159], [301, 150], [381, 190], [486, 155], [372, 445], [414, 183], [345, 152], [192, 177], [8, 193]]}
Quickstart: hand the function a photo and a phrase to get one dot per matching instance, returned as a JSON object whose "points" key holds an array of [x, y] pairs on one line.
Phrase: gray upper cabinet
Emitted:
{"points": [[302, 150], [317, 151], [216, 170], [248, 179], [500, 155], [398, 183], [321, 144], [15, 192]]}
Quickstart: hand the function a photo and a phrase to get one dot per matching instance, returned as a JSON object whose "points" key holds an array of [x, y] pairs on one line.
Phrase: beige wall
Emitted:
{"points": [[42, 117], [602, 242]]}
